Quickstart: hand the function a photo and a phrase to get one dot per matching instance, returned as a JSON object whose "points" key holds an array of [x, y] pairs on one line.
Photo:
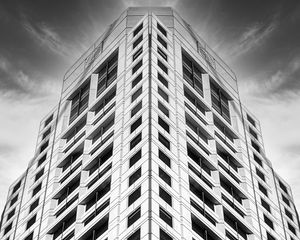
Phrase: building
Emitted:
{"points": [[150, 141]]}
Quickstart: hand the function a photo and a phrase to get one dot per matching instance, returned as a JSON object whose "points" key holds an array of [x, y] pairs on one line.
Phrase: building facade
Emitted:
{"points": [[149, 141]]}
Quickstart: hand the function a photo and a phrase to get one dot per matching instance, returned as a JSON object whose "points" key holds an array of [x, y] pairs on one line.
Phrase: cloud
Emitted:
{"points": [[133, 3]]}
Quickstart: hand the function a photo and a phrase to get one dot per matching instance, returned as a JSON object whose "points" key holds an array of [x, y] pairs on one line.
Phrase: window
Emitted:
{"points": [[135, 141], [162, 80], [162, 108], [265, 205], [107, 72], [29, 237], [262, 189], [138, 29], [255, 146], [192, 73], [165, 196], [270, 237], [253, 133], [48, 120], [164, 125], [162, 42], [285, 200], [257, 159], [34, 205], [135, 176], [137, 53], [136, 124], [7, 229], [164, 215], [289, 214], [220, 101], [36, 189], [162, 66], [12, 202], [164, 158], [136, 94], [41, 160], [283, 187], [135, 158], [251, 120], [161, 29], [30, 222], [164, 176], [164, 141], [268, 221], [46, 133], [137, 108], [260, 174], [137, 80], [16, 187], [137, 41], [44, 146], [291, 228], [163, 235], [39, 174], [162, 53], [163, 94], [134, 196], [136, 235], [137, 66], [79, 102], [133, 217]]}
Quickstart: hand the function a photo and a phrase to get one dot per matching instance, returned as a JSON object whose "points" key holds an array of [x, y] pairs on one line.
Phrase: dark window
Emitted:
{"points": [[44, 146], [41, 160], [34, 205], [39, 174], [162, 53], [162, 80], [135, 176], [164, 176], [45, 134], [260, 174], [79, 102], [133, 217], [289, 214], [137, 66], [134, 196], [257, 159], [162, 66], [137, 53], [7, 229], [268, 221], [220, 101], [138, 29], [283, 187], [255, 146], [164, 125], [251, 120], [165, 196], [162, 42], [107, 72], [270, 237], [163, 235], [30, 222], [253, 133], [285, 200], [162, 108], [10, 214], [136, 94], [29, 237], [292, 229], [136, 108], [135, 141], [136, 124], [164, 215], [192, 73], [161, 29], [37, 189], [164, 158], [137, 80], [135, 236], [137, 156], [262, 189], [12, 202], [16, 187], [137, 41], [164, 141], [48, 120], [163, 94], [266, 205]]}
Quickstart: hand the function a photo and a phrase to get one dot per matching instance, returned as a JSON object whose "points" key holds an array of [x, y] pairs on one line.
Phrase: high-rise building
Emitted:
{"points": [[150, 141]]}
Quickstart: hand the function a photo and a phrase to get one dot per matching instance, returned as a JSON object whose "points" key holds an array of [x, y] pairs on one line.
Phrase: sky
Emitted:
{"points": [[40, 40]]}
